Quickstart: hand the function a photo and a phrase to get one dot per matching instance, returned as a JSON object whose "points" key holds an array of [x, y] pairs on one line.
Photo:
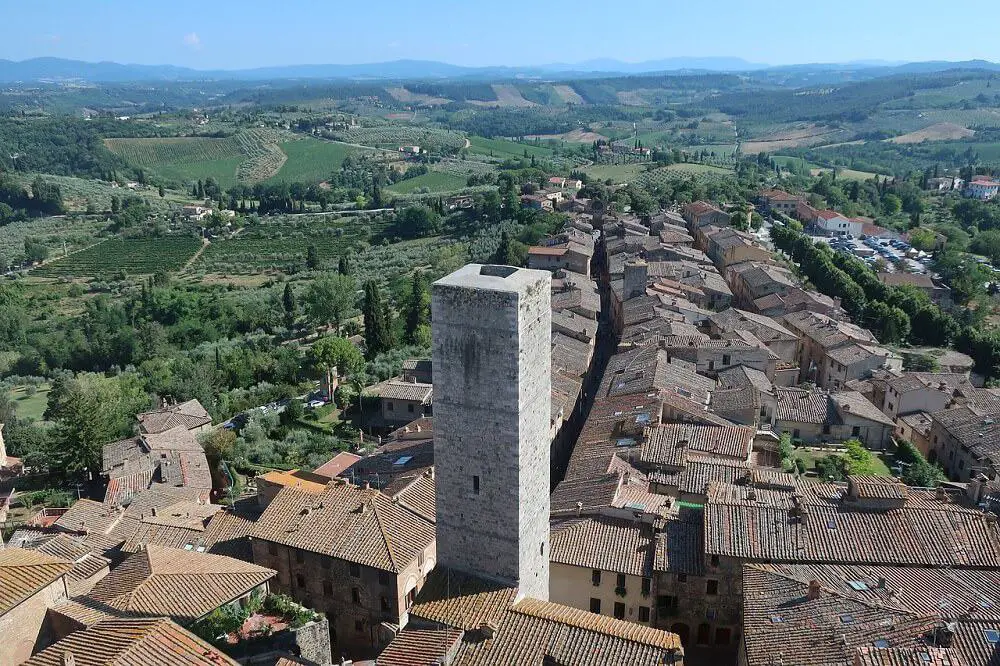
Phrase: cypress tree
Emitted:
{"points": [[378, 335], [288, 303], [418, 309]]}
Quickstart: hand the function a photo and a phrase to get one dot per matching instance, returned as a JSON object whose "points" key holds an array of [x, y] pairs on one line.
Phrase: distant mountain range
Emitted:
{"points": [[59, 69]]}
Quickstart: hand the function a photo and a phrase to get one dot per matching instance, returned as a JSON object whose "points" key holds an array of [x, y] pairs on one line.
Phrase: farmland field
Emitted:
{"points": [[434, 181], [56, 233], [504, 149], [311, 160], [135, 256], [391, 137], [691, 167], [182, 150], [277, 242], [615, 172]]}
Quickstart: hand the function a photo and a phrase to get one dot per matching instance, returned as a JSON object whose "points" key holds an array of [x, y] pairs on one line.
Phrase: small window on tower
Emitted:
{"points": [[475, 484]]}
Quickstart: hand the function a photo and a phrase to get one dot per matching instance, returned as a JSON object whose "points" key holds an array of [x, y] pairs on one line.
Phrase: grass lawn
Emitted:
{"points": [[434, 181], [616, 172], [501, 148], [30, 407], [311, 160], [810, 456]]}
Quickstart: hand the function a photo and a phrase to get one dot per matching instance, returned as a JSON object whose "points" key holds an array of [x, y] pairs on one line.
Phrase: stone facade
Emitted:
{"points": [[492, 385], [355, 598], [701, 609], [24, 628], [599, 591]]}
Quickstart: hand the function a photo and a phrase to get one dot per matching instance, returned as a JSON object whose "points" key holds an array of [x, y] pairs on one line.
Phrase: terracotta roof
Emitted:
{"points": [[781, 622], [500, 630], [420, 647], [189, 415], [547, 251], [292, 479], [666, 444], [86, 564], [132, 642], [742, 377], [758, 524], [349, 523], [25, 572], [337, 464], [803, 406], [600, 542], [396, 389], [909, 656], [181, 584], [678, 546], [419, 497]]}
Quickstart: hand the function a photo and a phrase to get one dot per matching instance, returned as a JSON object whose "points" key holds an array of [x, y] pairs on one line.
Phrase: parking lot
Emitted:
{"points": [[870, 249]]}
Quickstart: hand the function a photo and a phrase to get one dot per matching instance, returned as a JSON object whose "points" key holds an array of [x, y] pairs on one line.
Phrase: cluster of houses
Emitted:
{"points": [[672, 533]]}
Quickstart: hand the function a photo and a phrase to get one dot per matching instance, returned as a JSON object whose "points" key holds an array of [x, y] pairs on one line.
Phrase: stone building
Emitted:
{"points": [[604, 564], [352, 552], [492, 375], [30, 584]]}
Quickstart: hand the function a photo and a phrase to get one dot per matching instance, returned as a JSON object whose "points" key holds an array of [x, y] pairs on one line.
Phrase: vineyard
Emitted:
{"points": [[394, 136], [311, 160], [464, 167], [264, 158], [152, 153], [134, 256], [274, 245]]}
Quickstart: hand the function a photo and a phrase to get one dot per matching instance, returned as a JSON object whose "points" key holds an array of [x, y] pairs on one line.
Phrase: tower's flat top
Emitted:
{"points": [[494, 278]]}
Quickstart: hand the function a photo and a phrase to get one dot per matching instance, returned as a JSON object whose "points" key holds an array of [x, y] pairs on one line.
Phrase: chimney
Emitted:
{"points": [[68, 659], [152, 512], [430, 472], [814, 588], [941, 494], [881, 583], [487, 630], [579, 508]]}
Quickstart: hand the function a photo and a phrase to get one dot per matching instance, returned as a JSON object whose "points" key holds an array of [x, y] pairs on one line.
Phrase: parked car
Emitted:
{"points": [[313, 404]]}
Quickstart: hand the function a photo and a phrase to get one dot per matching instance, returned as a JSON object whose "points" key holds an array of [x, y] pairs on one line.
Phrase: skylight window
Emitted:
{"points": [[402, 460], [992, 636], [881, 643], [858, 585], [846, 619], [625, 441], [777, 619]]}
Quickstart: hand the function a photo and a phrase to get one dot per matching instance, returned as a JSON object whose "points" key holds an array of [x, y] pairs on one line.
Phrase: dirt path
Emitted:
{"points": [[204, 243]]}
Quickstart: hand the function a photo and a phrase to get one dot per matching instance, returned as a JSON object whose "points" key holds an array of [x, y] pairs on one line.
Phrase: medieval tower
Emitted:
{"points": [[492, 378]]}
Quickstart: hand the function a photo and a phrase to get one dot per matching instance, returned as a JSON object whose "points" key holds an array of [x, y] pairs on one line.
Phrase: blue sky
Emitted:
{"points": [[226, 34]]}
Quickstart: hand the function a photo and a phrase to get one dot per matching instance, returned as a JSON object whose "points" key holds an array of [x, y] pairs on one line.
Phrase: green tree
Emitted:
{"points": [[330, 298], [312, 257], [13, 316], [417, 221], [289, 305], [378, 325], [418, 308], [338, 353], [161, 191], [344, 265], [89, 411]]}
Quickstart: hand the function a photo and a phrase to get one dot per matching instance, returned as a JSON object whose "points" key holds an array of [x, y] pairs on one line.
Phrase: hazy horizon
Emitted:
{"points": [[229, 35]]}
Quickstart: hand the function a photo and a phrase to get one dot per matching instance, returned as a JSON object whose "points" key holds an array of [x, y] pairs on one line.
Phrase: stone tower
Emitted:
{"points": [[636, 277], [492, 402]]}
